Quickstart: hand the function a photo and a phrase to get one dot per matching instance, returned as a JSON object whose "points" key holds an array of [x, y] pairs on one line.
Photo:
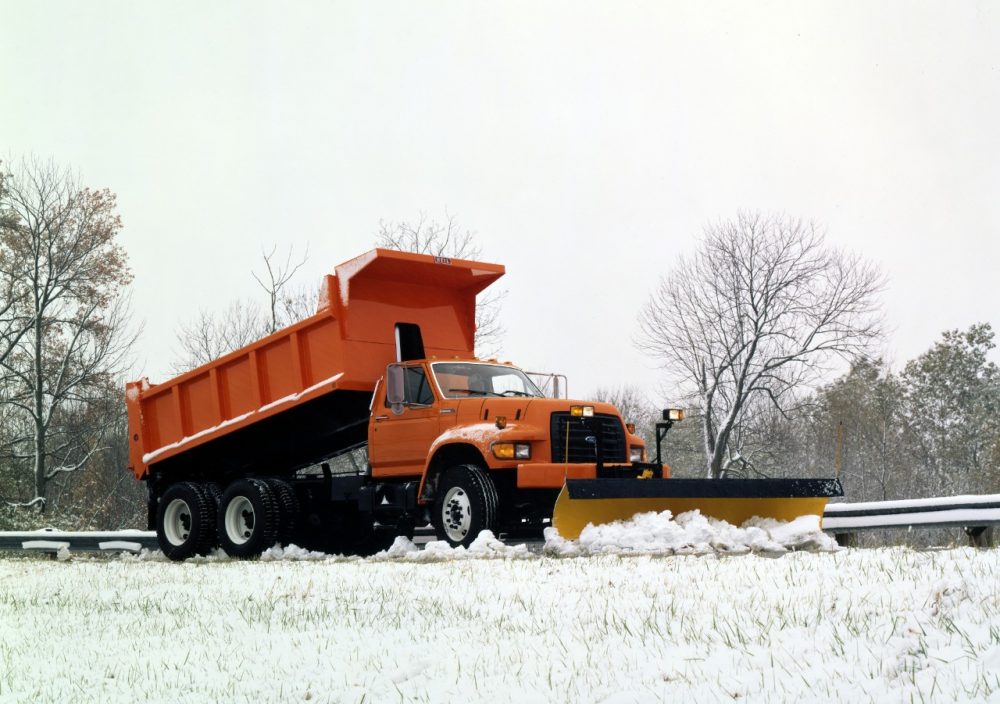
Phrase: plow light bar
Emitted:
{"points": [[581, 411], [673, 414]]}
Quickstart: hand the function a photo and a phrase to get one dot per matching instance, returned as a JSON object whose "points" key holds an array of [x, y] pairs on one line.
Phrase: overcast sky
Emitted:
{"points": [[587, 144]]}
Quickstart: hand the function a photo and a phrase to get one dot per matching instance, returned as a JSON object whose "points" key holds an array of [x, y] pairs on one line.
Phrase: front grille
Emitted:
{"points": [[606, 429]]}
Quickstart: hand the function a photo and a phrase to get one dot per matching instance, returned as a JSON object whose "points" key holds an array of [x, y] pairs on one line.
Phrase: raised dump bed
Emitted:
{"points": [[307, 388]]}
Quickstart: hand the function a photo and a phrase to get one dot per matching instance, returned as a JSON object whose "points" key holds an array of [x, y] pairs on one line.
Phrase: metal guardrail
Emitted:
{"points": [[976, 514], [954, 511], [53, 541]]}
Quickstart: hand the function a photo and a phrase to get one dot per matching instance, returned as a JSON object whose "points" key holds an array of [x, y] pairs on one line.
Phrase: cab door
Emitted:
{"points": [[401, 436]]}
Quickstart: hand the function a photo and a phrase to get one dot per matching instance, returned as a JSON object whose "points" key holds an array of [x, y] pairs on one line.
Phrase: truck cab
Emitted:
{"points": [[489, 449]]}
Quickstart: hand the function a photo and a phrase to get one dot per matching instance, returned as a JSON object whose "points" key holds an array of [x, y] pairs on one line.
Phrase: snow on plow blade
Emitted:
{"points": [[597, 501]]}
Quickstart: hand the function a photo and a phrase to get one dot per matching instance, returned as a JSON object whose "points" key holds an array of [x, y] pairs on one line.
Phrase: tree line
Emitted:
{"points": [[747, 328], [931, 429]]}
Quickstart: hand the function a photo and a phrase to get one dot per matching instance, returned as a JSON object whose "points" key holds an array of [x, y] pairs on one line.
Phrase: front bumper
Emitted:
{"points": [[544, 475]]}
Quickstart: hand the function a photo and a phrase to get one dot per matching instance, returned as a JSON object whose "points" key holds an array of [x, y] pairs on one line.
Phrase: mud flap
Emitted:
{"points": [[597, 501]]}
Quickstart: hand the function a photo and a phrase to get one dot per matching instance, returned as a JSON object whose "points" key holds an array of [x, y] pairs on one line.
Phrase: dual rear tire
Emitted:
{"points": [[185, 520], [249, 518], [245, 520]]}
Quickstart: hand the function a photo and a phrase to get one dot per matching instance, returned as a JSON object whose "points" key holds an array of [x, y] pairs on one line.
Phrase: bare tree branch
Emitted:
{"points": [[757, 313], [276, 279], [447, 239]]}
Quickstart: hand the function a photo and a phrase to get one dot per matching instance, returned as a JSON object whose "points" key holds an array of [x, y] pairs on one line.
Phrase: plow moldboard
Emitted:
{"points": [[598, 501]]}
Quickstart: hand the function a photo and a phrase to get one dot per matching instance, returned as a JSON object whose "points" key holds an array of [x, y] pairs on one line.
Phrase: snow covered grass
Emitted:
{"points": [[505, 625]]}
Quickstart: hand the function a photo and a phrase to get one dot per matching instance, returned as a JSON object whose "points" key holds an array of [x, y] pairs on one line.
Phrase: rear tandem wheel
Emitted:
{"points": [[185, 521], [249, 518]]}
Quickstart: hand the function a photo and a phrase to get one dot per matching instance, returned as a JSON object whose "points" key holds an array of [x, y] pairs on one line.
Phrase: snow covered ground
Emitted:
{"points": [[703, 612]]}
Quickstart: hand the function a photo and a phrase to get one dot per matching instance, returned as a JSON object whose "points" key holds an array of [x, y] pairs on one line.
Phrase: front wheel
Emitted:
{"points": [[466, 504]]}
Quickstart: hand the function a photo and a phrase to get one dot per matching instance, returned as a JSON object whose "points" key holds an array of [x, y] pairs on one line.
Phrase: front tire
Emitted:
{"points": [[249, 518], [185, 521], [466, 504]]}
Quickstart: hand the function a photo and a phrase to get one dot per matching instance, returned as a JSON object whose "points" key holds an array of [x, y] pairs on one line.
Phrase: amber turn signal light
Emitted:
{"points": [[512, 450]]}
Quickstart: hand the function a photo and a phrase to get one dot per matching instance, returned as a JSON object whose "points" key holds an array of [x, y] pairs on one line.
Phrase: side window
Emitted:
{"points": [[418, 390], [507, 382]]}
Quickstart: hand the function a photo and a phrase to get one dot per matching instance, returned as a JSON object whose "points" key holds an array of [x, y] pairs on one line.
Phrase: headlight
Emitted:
{"points": [[581, 411], [512, 450], [636, 454]]}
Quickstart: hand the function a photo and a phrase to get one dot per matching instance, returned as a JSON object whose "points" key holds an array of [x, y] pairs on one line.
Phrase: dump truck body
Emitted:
{"points": [[370, 416], [367, 310]]}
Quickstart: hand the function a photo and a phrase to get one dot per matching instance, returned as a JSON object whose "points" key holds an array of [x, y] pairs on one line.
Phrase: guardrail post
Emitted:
{"points": [[846, 540], [980, 536]]}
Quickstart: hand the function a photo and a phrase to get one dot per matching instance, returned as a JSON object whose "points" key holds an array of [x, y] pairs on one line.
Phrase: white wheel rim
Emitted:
{"points": [[456, 514], [177, 522], [240, 520]]}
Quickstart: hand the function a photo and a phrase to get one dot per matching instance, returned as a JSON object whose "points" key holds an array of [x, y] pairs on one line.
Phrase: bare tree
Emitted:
{"points": [[275, 282], [635, 407], [757, 313], [106, 496], [631, 402], [213, 334], [425, 236], [447, 239], [69, 282], [15, 318]]}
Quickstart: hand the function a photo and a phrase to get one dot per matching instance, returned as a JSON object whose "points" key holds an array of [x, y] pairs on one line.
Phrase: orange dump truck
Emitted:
{"points": [[373, 416]]}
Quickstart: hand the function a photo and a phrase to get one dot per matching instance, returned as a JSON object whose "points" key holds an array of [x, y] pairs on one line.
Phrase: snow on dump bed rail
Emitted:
{"points": [[188, 439]]}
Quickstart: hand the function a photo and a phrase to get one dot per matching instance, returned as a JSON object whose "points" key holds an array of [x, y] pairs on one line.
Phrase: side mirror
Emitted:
{"points": [[394, 391]]}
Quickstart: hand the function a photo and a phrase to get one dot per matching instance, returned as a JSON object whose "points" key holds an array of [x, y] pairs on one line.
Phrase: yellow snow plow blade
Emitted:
{"points": [[597, 501]]}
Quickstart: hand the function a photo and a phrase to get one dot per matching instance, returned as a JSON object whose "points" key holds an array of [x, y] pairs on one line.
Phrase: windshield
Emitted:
{"points": [[463, 379]]}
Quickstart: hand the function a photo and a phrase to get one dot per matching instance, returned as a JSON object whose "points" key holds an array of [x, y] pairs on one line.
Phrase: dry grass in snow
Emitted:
{"points": [[854, 626]]}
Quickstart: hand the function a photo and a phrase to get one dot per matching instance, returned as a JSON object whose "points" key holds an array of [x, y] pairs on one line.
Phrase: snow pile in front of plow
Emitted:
{"points": [[692, 533], [485, 546], [651, 533]]}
